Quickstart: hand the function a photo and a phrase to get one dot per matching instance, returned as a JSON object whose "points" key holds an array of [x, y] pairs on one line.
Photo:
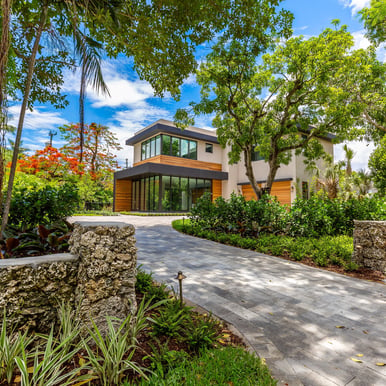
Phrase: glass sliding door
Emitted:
{"points": [[168, 193]]}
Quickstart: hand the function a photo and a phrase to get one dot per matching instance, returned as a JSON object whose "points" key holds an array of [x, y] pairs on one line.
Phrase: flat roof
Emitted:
{"points": [[150, 168], [168, 127]]}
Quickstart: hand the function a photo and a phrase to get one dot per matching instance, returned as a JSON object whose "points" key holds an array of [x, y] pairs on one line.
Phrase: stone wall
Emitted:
{"points": [[370, 244], [107, 270], [98, 276], [32, 287]]}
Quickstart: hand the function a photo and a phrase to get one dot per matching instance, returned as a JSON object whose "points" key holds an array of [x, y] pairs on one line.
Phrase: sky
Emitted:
{"points": [[133, 106]]}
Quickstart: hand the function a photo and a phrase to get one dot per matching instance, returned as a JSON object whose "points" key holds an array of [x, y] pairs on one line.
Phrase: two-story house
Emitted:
{"points": [[172, 168]]}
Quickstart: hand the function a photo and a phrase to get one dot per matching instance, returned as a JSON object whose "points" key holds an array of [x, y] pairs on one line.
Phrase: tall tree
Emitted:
{"points": [[32, 19], [374, 18], [31, 66], [282, 106], [4, 53], [99, 147]]}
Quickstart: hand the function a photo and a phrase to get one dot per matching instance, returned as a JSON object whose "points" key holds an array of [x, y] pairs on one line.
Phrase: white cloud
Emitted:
{"points": [[126, 122], [304, 27], [190, 80], [362, 151], [123, 91], [360, 41], [37, 119], [37, 124], [355, 5]]}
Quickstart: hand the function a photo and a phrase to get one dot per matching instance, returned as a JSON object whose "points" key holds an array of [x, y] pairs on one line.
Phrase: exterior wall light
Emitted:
{"points": [[180, 276]]}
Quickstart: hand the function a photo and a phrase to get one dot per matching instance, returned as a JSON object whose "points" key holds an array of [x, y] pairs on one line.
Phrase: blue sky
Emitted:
{"points": [[133, 106]]}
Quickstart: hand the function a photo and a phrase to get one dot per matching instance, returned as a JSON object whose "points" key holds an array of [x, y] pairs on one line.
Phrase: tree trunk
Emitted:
{"points": [[31, 68], [249, 172], [273, 167], [4, 50], [82, 95]]}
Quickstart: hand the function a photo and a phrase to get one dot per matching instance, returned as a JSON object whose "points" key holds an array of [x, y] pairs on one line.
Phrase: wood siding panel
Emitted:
{"points": [[185, 162], [122, 198], [280, 189], [216, 189]]}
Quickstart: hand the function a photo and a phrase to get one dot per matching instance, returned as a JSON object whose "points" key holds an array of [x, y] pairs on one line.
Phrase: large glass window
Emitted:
{"points": [[166, 139], [152, 147], [184, 148], [158, 145], [168, 194], [175, 147], [256, 156], [167, 145]]}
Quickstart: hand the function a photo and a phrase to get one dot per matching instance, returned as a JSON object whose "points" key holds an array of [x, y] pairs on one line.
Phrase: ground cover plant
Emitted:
{"points": [[165, 343]]}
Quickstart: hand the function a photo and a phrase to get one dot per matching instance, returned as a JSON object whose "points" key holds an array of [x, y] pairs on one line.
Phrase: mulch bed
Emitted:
{"points": [[360, 273]]}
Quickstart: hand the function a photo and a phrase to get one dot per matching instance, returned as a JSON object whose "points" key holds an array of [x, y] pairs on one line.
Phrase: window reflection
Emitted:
{"points": [[167, 145], [168, 194]]}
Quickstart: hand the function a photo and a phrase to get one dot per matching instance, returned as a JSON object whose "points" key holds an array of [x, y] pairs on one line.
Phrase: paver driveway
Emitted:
{"points": [[288, 312]]}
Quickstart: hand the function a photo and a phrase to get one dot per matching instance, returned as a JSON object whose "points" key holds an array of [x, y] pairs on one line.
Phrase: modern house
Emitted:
{"points": [[172, 168]]}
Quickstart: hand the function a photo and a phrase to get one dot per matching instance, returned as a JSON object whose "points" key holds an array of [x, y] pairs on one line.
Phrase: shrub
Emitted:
{"points": [[144, 281], [201, 333], [41, 205], [170, 320]]}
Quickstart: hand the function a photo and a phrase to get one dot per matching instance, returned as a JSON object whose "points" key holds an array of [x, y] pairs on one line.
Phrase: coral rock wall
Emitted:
{"points": [[98, 276], [370, 244]]}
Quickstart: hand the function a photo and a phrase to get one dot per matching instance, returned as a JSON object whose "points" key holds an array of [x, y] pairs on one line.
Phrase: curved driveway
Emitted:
{"points": [[288, 312]]}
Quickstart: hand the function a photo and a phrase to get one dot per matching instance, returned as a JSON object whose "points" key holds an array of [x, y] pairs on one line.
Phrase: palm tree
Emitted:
{"points": [[31, 67], [363, 182], [349, 154], [91, 72], [328, 177]]}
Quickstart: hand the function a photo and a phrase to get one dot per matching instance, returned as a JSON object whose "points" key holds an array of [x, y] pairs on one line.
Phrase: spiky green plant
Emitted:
{"points": [[47, 366], [114, 351], [12, 345]]}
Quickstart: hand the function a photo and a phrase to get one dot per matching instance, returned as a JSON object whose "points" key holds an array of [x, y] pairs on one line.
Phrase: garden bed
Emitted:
{"points": [[166, 343]]}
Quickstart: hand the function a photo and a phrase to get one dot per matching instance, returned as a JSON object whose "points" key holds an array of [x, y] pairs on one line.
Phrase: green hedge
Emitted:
{"points": [[324, 251], [318, 216]]}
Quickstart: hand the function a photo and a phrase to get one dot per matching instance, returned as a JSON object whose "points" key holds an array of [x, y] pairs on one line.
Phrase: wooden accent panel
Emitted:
{"points": [[216, 189], [280, 189], [122, 198], [185, 162]]}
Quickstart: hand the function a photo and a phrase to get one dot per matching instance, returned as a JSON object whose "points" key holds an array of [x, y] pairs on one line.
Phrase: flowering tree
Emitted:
{"points": [[49, 163], [99, 144]]}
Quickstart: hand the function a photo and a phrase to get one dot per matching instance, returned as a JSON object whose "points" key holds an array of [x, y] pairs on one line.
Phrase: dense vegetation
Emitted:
{"points": [[315, 217], [164, 343], [319, 229]]}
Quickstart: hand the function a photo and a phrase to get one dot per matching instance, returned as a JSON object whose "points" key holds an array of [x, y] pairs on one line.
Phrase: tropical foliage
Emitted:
{"points": [[131, 351], [317, 216]]}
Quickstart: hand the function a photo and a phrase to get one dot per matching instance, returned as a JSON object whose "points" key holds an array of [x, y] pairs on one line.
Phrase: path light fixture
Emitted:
{"points": [[180, 276]]}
